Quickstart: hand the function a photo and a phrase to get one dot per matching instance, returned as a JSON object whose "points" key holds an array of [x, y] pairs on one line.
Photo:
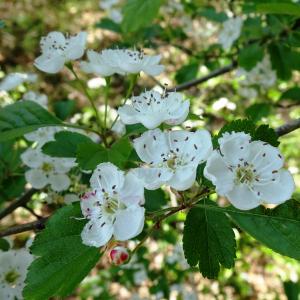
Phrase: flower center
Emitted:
{"points": [[111, 205], [244, 175], [46, 167], [11, 277]]}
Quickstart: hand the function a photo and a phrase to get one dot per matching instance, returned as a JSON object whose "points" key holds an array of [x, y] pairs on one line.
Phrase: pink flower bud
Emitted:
{"points": [[119, 255]]}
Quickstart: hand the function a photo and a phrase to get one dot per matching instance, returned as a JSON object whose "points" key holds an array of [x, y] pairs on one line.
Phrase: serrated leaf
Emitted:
{"points": [[23, 117], [62, 260], [90, 155], [278, 229], [257, 111], [208, 240], [139, 13], [250, 56], [65, 144], [266, 134]]}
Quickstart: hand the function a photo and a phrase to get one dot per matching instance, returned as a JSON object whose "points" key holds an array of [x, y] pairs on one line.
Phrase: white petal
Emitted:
{"points": [[52, 37], [128, 114], [234, 146], [129, 223], [76, 45], [32, 158], [218, 173], [132, 192], [151, 145], [96, 234], [154, 70], [59, 182], [36, 178], [153, 178], [52, 64], [178, 113], [89, 207], [242, 197], [278, 191], [107, 178], [183, 178]]}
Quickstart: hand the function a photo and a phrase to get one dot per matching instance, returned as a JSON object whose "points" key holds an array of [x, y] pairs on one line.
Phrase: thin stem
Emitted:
{"points": [[86, 92], [106, 94], [132, 81]]}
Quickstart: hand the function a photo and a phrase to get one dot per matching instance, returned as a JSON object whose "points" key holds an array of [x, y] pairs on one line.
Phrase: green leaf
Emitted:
{"points": [[250, 56], [262, 133], [257, 111], [139, 13], [65, 144], [292, 290], [187, 72], [90, 155], [154, 199], [291, 94], [62, 260], [278, 229], [211, 14], [109, 24], [208, 240], [278, 54], [64, 109], [4, 245], [201, 179], [279, 8], [135, 129], [23, 117]]}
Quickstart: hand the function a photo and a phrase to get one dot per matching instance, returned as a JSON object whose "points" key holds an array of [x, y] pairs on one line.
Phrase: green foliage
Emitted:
{"points": [[139, 13], [201, 179], [135, 129], [292, 290], [208, 240], [4, 245], [63, 261], [279, 8], [2, 24], [261, 133], [257, 111], [64, 109], [90, 155], [187, 72], [109, 24], [210, 13], [278, 229], [291, 94], [154, 199], [250, 56], [65, 144], [23, 117]]}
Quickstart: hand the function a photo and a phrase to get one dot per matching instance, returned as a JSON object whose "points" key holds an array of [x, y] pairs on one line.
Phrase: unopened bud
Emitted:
{"points": [[119, 255]]}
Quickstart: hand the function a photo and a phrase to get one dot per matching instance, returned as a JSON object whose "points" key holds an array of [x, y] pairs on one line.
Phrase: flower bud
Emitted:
{"points": [[119, 255]]}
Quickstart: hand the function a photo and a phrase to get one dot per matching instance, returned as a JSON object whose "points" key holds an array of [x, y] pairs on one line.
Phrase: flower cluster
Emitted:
{"points": [[112, 9], [14, 264], [230, 32], [12, 80]]}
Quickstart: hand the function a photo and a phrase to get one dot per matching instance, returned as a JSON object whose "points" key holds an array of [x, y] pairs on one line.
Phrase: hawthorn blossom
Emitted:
{"points": [[171, 157], [230, 32], [38, 98], [14, 264], [113, 208], [248, 173], [13, 80], [262, 74], [108, 4], [151, 109], [121, 61], [57, 50], [46, 170]]}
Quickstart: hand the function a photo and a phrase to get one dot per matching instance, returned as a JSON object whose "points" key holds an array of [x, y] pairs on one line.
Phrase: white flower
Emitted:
{"points": [[121, 61], [108, 4], [171, 157], [114, 207], [115, 15], [119, 128], [38, 98], [262, 74], [248, 173], [13, 80], [247, 92], [151, 109], [230, 32], [58, 49], [47, 170], [14, 264], [223, 103]]}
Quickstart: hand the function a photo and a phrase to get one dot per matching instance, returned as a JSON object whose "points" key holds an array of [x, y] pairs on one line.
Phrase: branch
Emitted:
{"points": [[194, 82], [18, 203], [36, 225], [288, 127]]}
